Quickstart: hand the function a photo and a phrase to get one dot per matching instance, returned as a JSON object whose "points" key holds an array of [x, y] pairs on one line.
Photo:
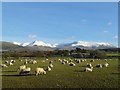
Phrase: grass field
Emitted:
{"points": [[62, 76]]}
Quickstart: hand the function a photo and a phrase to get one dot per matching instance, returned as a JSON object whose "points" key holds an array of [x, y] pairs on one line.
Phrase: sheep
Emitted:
{"points": [[25, 71], [88, 69], [10, 63], [106, 64], [50, 62], [63, 62], [92, 60], [34, 62], [25, 62], [40, 71], [48, 68], [99, 65], [51, 65], [78, 61], [6, 62], [21, 67], [72, 64], [89, 65], [47, 59], [3, 65]]}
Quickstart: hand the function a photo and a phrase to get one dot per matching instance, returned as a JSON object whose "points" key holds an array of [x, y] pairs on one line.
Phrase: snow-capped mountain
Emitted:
{"points": [[80, 44], [17, 43]]}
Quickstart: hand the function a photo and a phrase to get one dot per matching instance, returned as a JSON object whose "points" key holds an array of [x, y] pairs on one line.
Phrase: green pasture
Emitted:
{"points": [[62, 76]]}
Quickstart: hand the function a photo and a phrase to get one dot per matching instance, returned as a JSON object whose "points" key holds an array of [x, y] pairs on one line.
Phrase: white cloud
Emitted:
{"points": [[105, 31], [32, 36], [116, 37], [109, 23]]}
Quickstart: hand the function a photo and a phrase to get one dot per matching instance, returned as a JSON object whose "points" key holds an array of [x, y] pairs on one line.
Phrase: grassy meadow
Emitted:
{"points": [[62, 76]]}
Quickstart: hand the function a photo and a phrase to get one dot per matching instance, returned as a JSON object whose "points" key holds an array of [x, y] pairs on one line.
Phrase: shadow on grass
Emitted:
{"points": [[9, 71], [115, 73], [78, 71], [20, 75]]}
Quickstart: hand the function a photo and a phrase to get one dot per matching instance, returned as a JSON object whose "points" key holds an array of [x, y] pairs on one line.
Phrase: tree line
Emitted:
{"points": [[77, 53]]}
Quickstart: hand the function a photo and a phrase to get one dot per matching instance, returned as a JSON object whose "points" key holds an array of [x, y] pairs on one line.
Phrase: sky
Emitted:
{"points": [[60, 22]]}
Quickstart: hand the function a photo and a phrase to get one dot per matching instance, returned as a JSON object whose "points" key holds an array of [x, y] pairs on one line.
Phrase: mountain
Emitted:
{"points": [[40, 45], [85, 45]]}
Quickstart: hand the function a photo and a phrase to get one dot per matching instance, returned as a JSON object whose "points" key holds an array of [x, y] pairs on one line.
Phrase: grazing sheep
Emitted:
{"points": [[34, 62], [72, 64], [99, 65], [63, 62], [48, 68], [47, 59], [50, 62], [89, 65], [21, 67], [25, 62], [106, 64], [78, 61], [51, 65], [6, 62], [88, 69], [25, 71], [92, 60], [11, 64], [40, 71], [3, 65]]}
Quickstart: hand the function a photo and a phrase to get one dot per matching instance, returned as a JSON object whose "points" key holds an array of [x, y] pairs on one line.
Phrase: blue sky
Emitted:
{"points": [[60, 22]]}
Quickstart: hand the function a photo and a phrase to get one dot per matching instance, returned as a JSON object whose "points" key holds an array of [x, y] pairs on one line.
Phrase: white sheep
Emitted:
{"points": [[34, 62], [48, 68], [63, 62], [3, 65], [11, 64], [106, 64], [25, 62], [89, 65], [92, 60], [25, 71], [99, 65], [6, 61], [21, 67], [51, 65], [88, 69], [72, 64], [40, 71]]}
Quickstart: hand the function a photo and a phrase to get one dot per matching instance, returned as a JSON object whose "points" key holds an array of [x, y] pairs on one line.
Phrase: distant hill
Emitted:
{"points": [[41, 46]]}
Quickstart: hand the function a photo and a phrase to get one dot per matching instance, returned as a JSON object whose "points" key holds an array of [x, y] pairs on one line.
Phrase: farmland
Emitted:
{"points": [[62, 76]]}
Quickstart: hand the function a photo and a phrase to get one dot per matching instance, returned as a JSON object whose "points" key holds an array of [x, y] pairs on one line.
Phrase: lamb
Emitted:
{"points": [[40, 71], [88, 69], [25, 71], [51, 65], [3, 65]]}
